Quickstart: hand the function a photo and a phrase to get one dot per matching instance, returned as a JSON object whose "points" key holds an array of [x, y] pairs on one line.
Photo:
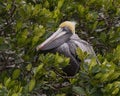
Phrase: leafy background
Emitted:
{"points": [[26, 23]]}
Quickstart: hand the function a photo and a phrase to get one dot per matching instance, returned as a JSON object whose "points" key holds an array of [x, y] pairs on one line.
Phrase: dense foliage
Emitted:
{"points": [[26, 23]]}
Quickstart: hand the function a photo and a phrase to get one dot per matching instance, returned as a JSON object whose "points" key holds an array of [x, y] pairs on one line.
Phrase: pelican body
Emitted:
{"points": [[65, 41]]}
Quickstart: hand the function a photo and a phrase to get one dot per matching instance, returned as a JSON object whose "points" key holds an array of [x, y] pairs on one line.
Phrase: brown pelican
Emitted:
{"points": [[65, 41]]}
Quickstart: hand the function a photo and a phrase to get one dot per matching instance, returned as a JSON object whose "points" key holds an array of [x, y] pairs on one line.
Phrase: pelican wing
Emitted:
{"points": [[83, 45], [73, 67]]}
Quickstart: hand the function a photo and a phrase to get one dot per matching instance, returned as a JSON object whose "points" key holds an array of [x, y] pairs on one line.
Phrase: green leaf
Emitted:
{"points": [[22, 37], [115, 75], [117, 53], [81, 10], [115, 91], [15, 94], [7, 82], [94, 26], [103, 36], [36, 10], [29, 67], [38, 32], [92, 63], [18, 25], [56, 13], [1, 86], [8, 6], [98, 76], [79, 90], [39, 68], [16, 73], [1, 40], [32, 84], [60, 4], [80, 54], [104, 77], [61, 94], [52, 74]]}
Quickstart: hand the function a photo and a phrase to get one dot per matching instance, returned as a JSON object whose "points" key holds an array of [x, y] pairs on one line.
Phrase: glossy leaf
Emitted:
{"points": [[31, 84], [16, 74]]}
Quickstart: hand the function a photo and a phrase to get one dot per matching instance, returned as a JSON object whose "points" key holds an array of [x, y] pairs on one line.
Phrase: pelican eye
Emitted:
{"points": [[66, 29]]}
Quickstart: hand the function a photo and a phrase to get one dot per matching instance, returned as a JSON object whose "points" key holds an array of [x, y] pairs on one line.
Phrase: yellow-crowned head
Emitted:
{"points": [[69, 24]]}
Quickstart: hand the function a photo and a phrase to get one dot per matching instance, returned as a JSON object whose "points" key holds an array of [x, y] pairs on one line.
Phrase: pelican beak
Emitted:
{"points": [[55, 40]]}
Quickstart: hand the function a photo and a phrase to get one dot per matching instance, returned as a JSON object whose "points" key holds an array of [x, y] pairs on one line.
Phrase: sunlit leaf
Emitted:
{"points": [[28, 67], [60, 3], [15, 94], [16, 74], [39, 68], [36, 10], [31, 84], [7, 82], [81, 54], [115, 91]]}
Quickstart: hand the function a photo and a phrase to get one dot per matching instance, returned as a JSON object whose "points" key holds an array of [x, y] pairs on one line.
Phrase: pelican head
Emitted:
{"points": [[69, 24], [64, 32]]}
